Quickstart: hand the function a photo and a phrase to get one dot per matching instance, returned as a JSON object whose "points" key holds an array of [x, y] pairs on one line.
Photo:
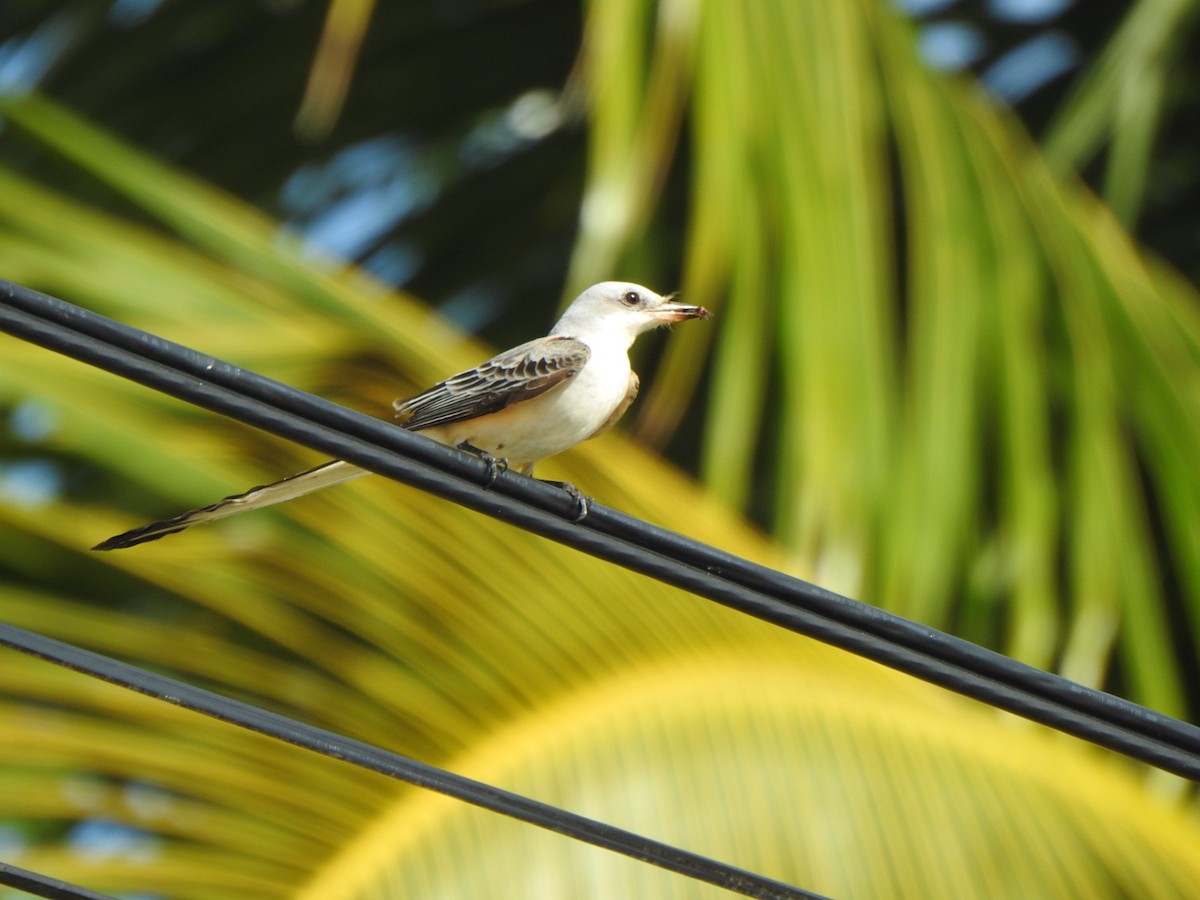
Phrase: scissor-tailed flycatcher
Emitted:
{"points": [[519, 407]]}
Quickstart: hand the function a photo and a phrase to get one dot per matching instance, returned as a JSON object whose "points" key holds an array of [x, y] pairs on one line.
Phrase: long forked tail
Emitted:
{"points": [[322, 476]]}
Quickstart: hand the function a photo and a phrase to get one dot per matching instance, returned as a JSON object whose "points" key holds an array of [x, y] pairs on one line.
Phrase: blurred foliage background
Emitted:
{"points": [[954, 372]]}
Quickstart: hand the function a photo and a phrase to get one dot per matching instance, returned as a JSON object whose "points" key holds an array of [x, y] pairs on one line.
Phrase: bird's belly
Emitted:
{"points": [[546, 425]]}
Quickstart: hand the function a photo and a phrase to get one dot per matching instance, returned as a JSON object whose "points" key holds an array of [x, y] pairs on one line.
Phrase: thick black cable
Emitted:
{"points": [[786, 601], [394, 765], [44, 886]]}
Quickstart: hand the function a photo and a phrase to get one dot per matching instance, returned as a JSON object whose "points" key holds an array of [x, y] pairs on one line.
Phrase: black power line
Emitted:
{"points": [[44, 886], [381, 447], [376, 445], [394, 765]]}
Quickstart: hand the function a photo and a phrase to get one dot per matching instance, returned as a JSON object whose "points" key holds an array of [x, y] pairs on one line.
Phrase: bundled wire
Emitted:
{"points": [[549, 511], [789, 602]]}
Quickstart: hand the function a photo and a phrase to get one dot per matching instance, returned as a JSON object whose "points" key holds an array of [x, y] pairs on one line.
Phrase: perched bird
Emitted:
{"points": [[516, 409]]}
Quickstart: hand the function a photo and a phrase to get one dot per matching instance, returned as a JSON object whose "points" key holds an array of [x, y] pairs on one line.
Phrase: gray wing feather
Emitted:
{"points": [[514, 376]]}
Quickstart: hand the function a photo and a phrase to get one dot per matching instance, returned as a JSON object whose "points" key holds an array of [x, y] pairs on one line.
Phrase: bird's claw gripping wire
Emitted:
{"points": [[583, 503], [494, 466]]}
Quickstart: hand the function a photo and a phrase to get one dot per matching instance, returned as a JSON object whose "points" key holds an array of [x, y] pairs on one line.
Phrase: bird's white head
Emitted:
{"points": [[620, 311]]}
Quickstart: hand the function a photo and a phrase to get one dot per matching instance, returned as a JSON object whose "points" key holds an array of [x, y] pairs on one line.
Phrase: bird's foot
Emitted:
{"points": [[583, 503], [494, 466]]}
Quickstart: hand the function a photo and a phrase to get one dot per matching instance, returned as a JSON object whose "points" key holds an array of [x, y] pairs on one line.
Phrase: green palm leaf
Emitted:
{"points": [[950, 380], [402, 620]]}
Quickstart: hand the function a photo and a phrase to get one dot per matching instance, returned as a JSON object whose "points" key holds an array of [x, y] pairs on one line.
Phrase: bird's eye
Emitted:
{"points": [[631, 298]]}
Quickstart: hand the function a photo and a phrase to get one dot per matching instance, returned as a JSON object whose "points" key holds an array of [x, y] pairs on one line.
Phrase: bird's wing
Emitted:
{"points": [[516, 375], [630, 396]]}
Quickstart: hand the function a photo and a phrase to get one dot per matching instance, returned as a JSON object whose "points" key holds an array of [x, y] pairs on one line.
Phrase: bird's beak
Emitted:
{"points": [[669, 311]]}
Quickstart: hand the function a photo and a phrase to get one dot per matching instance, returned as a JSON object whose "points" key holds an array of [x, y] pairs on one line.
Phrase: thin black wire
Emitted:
{"points": [[44, 886], [394, 765], [379, 446]]}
